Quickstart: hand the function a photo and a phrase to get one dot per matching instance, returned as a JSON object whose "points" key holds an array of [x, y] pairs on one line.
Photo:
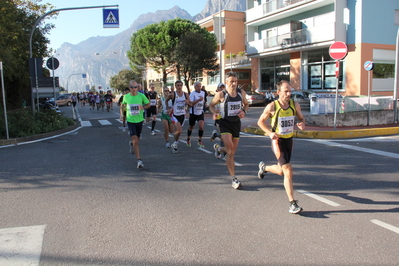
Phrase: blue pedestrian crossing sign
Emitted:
{"points": [[110, 18]]}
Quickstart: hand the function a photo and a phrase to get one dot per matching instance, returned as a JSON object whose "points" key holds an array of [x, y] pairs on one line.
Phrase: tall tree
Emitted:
{"points": [[196, 53], [17, 18], [121, 80], [151, 46], [154, 45]]}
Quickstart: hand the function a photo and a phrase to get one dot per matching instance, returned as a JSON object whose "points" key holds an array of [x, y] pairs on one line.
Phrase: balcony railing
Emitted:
{"points": [[294, 38], [237, 61], [269, 7], [274, 5]]}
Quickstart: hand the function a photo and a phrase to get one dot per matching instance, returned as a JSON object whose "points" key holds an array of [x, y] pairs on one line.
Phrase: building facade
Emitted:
{"points": [[290, 39]]}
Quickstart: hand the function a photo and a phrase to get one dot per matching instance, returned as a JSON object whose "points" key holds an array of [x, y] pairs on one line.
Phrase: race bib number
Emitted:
{"points": [[200, 106], [285, 125], [179, 109], [134, 109], [233, 108], [153, 102]]}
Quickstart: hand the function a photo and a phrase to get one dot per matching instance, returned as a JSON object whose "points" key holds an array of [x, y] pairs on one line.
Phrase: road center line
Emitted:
{"points": [[317, 197], [349, 147], [385, 225]]}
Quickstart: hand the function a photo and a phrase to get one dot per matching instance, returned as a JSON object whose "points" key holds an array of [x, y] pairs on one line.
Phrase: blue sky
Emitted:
{"points": [[74, 26]]}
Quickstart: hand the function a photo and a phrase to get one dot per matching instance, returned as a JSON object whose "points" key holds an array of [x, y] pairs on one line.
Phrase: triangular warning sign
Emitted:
{"points": [[111, 18]]}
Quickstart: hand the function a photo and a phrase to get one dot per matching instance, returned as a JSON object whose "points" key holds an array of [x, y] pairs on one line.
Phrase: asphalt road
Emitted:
{"points": [[95, 208]]}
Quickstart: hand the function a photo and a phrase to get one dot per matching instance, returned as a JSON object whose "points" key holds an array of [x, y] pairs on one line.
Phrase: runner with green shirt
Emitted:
{"points": [[135, 103]]}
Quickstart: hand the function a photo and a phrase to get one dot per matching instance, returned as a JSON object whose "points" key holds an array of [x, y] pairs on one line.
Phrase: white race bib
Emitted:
{"points": [[233, 108], [285, 125], [134, 109], [153, 102]]}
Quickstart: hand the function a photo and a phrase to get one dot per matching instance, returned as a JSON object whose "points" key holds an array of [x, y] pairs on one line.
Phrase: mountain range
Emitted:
{"points": [[102, 57]]}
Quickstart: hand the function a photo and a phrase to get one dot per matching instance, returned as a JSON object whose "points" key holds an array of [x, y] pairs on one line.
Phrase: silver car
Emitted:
{"points": [[255, 98], [64, 99]]}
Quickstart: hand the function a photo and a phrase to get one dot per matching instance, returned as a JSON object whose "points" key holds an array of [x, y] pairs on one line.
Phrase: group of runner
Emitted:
{"points": [[96, 100], [228, 107]]}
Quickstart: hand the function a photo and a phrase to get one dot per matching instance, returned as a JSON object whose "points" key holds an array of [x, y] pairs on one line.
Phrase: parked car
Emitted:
{"points": [[64, 99], [255, 98], [302, 99]]}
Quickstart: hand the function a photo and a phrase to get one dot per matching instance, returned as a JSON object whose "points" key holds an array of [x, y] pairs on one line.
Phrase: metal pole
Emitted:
{"points": [[336, 94], [395, 88], [4, 98], [71, 76], [368, 94], [220, 42], [52, 59]]}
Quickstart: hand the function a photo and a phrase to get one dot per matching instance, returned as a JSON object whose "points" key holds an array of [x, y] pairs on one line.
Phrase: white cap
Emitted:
{"points": [[221, 84]]}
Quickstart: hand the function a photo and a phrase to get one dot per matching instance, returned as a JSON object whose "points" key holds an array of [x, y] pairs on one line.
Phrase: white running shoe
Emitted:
{"points": [[152, 133], [140, 164], [175, 147], [218, 154], [235, 183], [167, 145], [214, 135]]}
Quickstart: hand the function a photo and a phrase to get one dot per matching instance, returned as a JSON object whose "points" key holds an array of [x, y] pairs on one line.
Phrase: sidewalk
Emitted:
{"points": [[314, 132]]}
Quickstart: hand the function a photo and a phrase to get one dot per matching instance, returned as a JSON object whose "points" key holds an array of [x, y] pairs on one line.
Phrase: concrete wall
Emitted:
{"points": [[383, 117]]}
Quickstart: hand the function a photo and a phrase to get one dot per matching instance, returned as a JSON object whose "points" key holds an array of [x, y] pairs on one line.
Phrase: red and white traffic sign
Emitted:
{"points": [[338, 50]]}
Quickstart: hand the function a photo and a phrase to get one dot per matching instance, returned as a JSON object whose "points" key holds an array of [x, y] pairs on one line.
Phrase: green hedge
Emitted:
{"points": [[24, 122]]}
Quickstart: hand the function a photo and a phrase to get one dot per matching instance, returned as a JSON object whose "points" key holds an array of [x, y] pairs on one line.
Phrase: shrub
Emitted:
{"points": [[24, 122]]}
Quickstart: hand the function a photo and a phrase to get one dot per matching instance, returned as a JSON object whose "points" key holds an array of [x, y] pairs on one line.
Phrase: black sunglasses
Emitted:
{"points": [[133, 87]]}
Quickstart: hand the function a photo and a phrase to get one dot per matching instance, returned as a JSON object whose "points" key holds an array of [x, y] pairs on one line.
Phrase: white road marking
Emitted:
{"points": [[385, 225], [105, 122], [319, 198], [21, 246], [377, 152], [85, 123]]}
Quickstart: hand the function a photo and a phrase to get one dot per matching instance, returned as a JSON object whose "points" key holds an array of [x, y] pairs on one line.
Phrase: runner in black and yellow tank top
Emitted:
{"points": [[282, 113]]}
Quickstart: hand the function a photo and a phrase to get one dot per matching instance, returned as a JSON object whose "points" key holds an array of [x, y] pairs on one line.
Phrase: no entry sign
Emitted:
{"points": [[338, 50]]}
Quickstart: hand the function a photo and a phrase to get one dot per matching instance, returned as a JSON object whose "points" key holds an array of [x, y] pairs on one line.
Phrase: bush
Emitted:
{"points": [[24, 122]]}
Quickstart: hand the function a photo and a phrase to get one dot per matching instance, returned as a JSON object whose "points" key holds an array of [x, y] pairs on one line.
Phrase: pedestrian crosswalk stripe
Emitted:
{"points": [[21, 245], [85, 123], [104, 122]]}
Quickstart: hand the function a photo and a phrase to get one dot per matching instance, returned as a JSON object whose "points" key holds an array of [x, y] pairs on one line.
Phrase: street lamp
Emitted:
{"points": [[71, 76]]}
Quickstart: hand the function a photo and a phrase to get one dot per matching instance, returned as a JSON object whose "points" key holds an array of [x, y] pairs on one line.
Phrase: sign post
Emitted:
{"points": [[369, 67], [338, 51]]}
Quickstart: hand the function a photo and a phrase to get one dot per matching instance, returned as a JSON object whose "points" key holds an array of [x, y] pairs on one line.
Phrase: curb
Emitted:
{"points": [[340, 134], [6, 142]]}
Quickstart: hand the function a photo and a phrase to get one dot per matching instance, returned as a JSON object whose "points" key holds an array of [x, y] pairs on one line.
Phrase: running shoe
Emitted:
{"points": [[294, 208], [214, 135], [124, 129], [218, 154], [152, 133], [189, 143], [262, 172], [140, 164], [167, 145], [201, 144], [235, 183], [175, 147], [131, 147]]}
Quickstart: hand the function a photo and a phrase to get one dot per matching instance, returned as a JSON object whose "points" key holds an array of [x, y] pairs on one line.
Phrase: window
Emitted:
{"points": [[319, 71], [383, 71], [273, 70]]}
